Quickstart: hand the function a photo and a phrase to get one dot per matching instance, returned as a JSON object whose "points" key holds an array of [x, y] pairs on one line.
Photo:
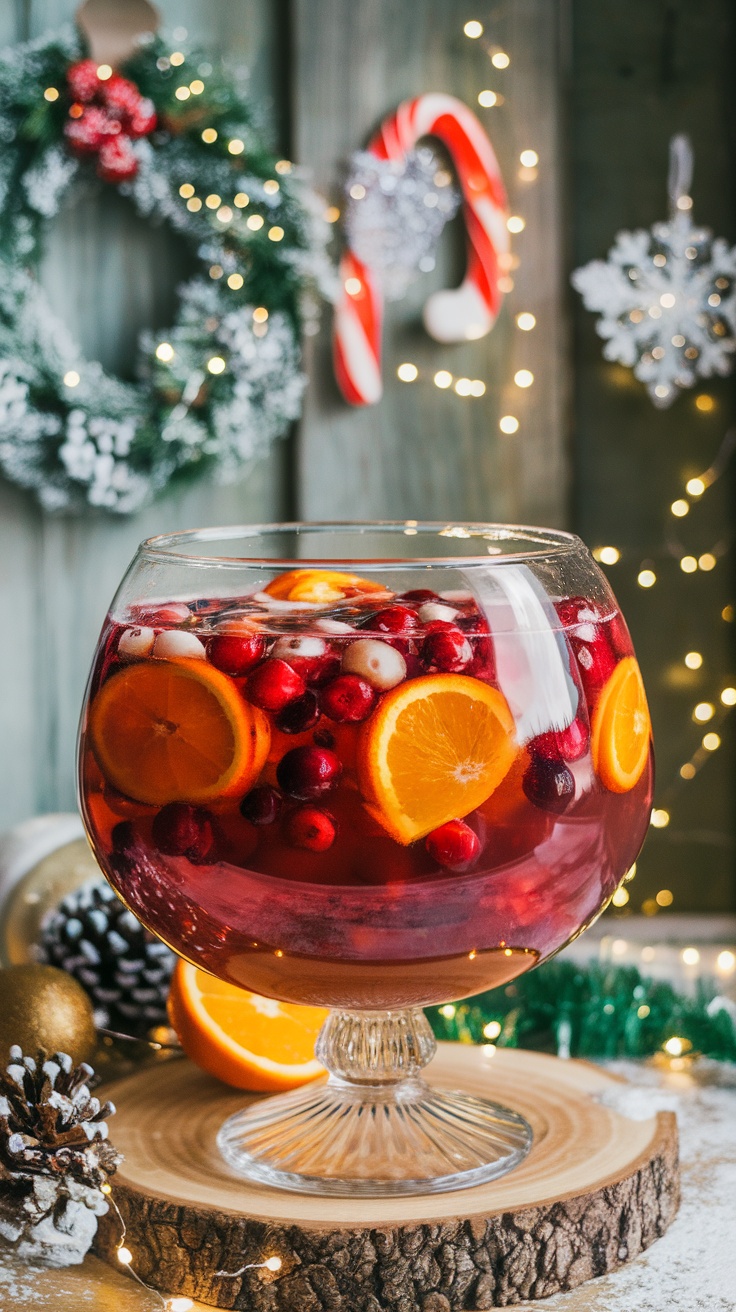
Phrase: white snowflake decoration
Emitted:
{"points": [[667, 300]]}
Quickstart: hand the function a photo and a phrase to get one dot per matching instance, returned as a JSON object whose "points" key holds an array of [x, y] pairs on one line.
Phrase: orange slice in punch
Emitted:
{"points": [[320, 586], [176, 731], [246, 1040], [621, 729], [435, 749]]}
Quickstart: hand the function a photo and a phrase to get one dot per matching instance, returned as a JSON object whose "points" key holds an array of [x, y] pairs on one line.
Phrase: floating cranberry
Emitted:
{"points": [[123, 837], [348, 699], [578, 615], [136, 642], [446, 648], [483, 664], [596, 661], [273, 684], [562, 744], [183, 830], [311, 658], [262, 805], [591, 640], [375, 661], [310, 828], [236, 654], [318, 670], [308, 772], [299, 715], [549, 784], [178, 644], [437, 610], [392, 619], [323, 738], [418, 595], [454, 845], [472, 623]]}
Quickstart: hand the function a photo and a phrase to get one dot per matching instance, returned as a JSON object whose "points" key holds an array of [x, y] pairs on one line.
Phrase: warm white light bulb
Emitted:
{"points": [[408, 373]]}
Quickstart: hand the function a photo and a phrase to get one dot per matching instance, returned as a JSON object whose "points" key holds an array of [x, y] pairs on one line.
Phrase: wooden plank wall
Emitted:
{"points": [[325, 71]]}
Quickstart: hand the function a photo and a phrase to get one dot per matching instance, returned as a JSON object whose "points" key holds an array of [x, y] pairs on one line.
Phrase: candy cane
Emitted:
{"points": [[470, 310]]}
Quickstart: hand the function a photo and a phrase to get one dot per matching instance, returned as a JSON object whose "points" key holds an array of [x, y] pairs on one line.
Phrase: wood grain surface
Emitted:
{"points": [[595, 1190]]}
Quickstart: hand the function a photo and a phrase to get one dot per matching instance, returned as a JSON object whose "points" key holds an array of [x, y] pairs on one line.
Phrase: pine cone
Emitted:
{"points": [[123, 967], [54, 1156]]}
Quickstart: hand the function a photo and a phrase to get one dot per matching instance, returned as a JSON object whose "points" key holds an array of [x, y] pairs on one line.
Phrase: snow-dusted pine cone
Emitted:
{"points": [[54, 1157], [123, 967]]}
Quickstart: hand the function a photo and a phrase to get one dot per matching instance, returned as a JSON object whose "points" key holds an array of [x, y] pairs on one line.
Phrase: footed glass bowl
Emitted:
{"points": [[370, 767]]}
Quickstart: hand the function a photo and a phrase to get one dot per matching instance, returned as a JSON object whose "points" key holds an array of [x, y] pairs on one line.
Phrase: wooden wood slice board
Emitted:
{"points": [[595, 1190]]}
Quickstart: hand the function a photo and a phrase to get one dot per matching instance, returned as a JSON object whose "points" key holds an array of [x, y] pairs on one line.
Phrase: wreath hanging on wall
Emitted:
{"points": [[179, 138]]}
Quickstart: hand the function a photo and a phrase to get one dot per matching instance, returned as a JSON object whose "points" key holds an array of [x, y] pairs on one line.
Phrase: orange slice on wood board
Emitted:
{"points": [[435, 749], [242, 1038], [177, 731], [321, 586], [621, 729]]}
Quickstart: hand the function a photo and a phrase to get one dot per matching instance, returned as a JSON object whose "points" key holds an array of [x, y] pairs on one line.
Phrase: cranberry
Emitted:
{"points": [[323, 738], [299, 715], [392, 619], [123, 837], [549, 784], [591, 641], [483, 664], [472, 623], [348, 699], [183, 830], [376, 661], [273, 684], [454, 845], [446, 648], [418, 595], [310, 828], [319, 669], [307, 772], [578, 614], [262, 805], [562, 744], [596, 662], [236, 654]]}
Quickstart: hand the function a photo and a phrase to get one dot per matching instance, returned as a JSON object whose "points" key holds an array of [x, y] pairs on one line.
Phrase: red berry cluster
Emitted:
{"points": [[105, 117]]}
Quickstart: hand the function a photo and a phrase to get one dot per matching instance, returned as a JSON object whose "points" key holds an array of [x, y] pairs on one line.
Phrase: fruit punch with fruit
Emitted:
{"points": [[337, 794]]}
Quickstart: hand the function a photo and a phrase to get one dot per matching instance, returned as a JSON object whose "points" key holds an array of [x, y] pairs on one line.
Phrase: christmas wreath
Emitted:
{"points": [[179, 138]]}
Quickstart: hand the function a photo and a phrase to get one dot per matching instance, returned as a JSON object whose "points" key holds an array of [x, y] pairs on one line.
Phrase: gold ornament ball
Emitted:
{"points": [[42, 1007]]}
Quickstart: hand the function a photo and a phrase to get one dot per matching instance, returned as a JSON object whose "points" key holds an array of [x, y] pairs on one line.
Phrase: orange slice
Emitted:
{"points": [[318, 585], [621, 729], [435, 749], [240, 1037], [176, 731]]}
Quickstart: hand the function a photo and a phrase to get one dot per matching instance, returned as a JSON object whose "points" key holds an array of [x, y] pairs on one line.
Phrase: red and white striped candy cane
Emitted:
{"points": [[470, 310]]}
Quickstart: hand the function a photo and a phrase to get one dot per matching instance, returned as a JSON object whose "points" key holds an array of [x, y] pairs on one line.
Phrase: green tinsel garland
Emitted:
{"points": [[594, 1011]]}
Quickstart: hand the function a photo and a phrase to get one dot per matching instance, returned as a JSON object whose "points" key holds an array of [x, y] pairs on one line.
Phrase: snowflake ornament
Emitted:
{"points": [[395, 211], [666, 296]]}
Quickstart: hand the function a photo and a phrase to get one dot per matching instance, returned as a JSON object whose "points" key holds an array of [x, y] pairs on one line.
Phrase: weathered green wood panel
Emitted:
{"points": [[109, 275], [421, 451], [641, 73]]}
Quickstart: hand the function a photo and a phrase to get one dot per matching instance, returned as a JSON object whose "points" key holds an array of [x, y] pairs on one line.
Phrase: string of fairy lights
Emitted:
{"points": [[176, 1302], [712, 711]]}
